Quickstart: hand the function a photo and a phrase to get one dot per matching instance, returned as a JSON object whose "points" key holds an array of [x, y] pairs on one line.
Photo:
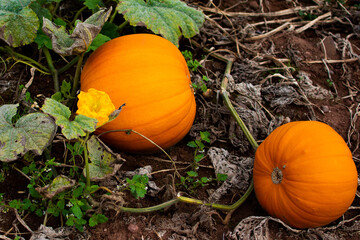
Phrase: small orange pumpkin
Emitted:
{"points": [[304, 174], [150, 75]]}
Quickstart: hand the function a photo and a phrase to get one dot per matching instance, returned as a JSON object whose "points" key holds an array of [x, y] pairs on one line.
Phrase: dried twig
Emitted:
{"points": [[268, 34], [262, 14], [22, 221], [333, 61], [313, 22]]}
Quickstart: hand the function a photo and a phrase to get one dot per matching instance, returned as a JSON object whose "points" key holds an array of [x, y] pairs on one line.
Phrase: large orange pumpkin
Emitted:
{"points": [[304, 174], [150, 75]]}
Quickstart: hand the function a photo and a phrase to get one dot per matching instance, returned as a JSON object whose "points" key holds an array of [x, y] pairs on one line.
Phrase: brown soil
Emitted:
{"points": [[319, 53]]}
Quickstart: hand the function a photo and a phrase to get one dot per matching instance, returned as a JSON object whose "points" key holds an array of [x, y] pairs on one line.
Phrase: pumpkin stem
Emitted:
{"points": [[228, 103], [76, 80], [52, 69], [277, 175], [242, 125]]}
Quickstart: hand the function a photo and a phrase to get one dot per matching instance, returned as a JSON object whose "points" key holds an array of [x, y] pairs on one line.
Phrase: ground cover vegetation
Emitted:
{"points": [[254, 66]]}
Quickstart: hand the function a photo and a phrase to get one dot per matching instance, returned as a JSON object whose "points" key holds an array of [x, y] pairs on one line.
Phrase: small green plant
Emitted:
{"points": [[307, 16], [192, 181], [64, 93], [193, 64], [4, 168], [329, 82], [138, 185], [199, 146], [28, 97], [202, 84]]}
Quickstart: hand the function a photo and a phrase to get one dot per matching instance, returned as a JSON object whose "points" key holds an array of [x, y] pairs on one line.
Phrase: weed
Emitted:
{"points": [[199, 147], [192, 181], [138, 185], [193, 64], [307, 16], [329, 82]]}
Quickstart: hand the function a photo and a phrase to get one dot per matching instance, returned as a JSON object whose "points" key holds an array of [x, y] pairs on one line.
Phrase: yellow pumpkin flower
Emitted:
{"points": [[95, 104]]}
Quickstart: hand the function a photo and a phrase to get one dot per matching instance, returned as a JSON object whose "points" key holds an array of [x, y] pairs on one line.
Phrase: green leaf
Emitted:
{"points": [[80, 39], [99, 40], [60, 22], [92, 4], [76, 210], [137, 185], [70, 129], [18, 22], [95, 219], [40, 11], [59, 184], [42, 40], [192, 174], [110, 30], [32, 132], [198, 157], [164, 17], [78, 192], [221, 177], [192, 144], [205, 136], [104, 163]]}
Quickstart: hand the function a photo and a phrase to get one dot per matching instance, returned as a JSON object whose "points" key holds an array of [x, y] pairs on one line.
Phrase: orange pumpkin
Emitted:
{"points": [[304, 174], [150, 75]]}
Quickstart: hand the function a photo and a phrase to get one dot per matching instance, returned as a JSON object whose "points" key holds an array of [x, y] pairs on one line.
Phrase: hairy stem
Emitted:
{"points": [[18, 55], [150, 209], [76, 81], [53, 70], [122, 26], [68, 65], [86, 156], [228, 103]]}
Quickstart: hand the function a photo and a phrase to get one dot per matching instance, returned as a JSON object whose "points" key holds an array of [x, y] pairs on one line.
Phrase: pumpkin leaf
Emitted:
{"points": [[99, 40], [92, 4], [59, 184], [18, 22], [104, 163], [163, 17], [32, 132], [81, 38], [70, 129]]}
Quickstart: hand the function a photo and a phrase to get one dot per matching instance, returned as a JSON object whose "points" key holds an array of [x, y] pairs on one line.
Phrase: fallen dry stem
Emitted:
{"points": [[268, 34], [285, 12], [329, 61], [313, 22]]}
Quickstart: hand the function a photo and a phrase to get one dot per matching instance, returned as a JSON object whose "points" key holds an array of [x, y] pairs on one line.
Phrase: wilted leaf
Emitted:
{"points": [[71, 129], [59, 184], [32, 132], [104, 163], [164, 17], [18, 22], [82, 36]]}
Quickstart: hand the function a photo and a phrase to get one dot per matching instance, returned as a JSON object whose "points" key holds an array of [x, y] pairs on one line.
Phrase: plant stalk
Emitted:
{"points": [[76, 80], [150, 209], [191, 201], [68, 65], [53, 70], [228, 103], [18, 55], [86, 156]]}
